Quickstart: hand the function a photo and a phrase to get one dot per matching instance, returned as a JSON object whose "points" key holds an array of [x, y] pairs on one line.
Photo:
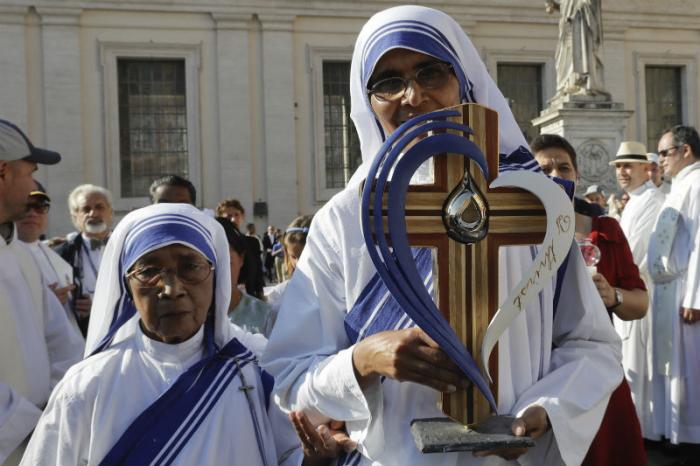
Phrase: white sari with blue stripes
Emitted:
{"points": [[565, 359], [137, 401]]}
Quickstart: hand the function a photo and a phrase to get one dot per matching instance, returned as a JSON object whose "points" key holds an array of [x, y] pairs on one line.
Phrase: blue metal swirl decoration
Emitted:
{"points": [[396, 266]]}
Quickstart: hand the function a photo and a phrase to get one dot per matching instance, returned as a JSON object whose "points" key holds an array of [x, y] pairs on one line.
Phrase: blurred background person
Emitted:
{"points": [[268, 240], [595, 195], [278, 257], [57, 273], [656, 173], [246, 311], [173, 189], [91, 211], [293, 241], [233, 210]]}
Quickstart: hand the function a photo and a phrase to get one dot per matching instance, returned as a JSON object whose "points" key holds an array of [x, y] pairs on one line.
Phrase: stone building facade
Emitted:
{"points": [[249, 98]]}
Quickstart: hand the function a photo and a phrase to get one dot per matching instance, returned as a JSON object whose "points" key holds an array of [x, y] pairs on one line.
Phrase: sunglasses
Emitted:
{"points": [[39, 208], [666, 152]]}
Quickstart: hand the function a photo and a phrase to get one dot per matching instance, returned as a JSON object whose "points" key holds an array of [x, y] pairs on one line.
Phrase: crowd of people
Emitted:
{"points": [[181, 336]]}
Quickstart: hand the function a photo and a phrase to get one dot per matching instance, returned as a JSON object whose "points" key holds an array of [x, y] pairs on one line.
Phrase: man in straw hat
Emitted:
{"points": [[37, 344], [637, 221]]}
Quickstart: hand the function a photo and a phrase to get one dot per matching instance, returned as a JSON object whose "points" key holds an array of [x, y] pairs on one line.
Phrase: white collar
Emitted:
{"points": [[686, 171], [641, 189], [173, 353]]}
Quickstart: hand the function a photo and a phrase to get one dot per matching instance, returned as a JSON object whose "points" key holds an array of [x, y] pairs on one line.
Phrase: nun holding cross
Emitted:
{"points": [[167, 380], [343, 349]]}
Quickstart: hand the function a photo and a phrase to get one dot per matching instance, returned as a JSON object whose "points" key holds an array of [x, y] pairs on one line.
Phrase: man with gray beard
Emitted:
{"points": [[91, 211]]}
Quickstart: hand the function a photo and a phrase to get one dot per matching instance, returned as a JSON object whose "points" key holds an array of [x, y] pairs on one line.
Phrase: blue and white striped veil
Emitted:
{"points": [[434, 33], [113, 317]]}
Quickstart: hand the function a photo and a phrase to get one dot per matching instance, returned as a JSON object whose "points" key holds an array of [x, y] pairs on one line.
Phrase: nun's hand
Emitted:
{"points": [[322, 444], [408, 355], [533, 423]]}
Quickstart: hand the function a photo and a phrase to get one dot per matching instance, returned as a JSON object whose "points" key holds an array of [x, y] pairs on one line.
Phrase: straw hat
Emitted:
{"points": [[653, 157], [631, 151]]}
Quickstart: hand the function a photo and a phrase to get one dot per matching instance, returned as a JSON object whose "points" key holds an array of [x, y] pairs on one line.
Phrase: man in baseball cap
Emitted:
{"points": [[18, 161], [595, 195], [37, 342]]}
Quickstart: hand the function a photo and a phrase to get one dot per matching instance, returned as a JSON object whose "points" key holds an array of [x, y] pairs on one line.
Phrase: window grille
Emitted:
{"points": [[521, 84], [663, 95], [152, 122], [342, 146]]}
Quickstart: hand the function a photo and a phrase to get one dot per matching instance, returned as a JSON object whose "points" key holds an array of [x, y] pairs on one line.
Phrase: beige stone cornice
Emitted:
{"points": [[232, 21], [57, 16], [281, 23], [13, 14]]}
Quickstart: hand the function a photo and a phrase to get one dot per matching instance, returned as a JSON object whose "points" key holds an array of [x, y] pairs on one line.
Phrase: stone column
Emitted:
{"points": [[279, 163], [234, 108], [60, 34], [13, 63]]}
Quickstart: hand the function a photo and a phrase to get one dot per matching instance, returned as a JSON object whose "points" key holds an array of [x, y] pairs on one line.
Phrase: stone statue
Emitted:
{"points": [[578, 62]]}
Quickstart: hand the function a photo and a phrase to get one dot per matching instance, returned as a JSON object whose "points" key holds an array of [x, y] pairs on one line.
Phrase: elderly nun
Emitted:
{"points": [[167, 380], [343, 349]]}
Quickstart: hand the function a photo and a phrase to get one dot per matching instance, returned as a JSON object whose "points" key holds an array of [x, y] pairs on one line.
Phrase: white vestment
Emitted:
{"points": [[37, 345], [222, 420], [55, 270], [569, 364], [637, 223], [101, 396], [677, 405]]}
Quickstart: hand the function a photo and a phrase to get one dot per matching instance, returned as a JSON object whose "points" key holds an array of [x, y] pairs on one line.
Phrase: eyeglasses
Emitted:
{"points": [[665, 152], [430, 77], [189, 273], [39, 208]]}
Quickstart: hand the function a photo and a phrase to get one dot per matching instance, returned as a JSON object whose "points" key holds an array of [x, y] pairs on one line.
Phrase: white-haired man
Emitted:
{"points": [[637, 222], [91, 211], [37, 344]]}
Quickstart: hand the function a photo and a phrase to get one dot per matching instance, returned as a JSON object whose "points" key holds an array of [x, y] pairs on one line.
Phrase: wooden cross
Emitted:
{"points": [[467, 275]]}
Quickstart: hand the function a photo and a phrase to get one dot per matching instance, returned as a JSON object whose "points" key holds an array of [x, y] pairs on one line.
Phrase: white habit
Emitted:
{"points": [[309, 354], [637, 223], [102, 395], [54, 270], [37, 346], [676, 239], [221, 421], [569, 364]]}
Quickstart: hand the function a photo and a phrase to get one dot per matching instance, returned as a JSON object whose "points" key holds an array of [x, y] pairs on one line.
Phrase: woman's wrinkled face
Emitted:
{"points": [[174, 309], [416, 100]]}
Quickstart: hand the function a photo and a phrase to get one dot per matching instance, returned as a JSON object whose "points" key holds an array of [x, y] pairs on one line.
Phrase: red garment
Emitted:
{"points": [[619, 439]]}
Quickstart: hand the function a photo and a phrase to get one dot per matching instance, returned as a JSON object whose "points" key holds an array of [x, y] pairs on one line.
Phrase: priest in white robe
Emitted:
{"points": [[37, 345], [558, 364], [674, 264], [637, 221], [167, 378]]}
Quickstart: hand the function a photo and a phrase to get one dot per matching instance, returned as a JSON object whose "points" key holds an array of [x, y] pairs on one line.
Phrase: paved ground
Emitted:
{"points": [[658, 458]]}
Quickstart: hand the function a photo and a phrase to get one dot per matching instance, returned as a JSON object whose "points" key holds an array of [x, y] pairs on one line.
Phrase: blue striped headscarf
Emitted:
{"points": [[433, 33], [139, 233]]}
